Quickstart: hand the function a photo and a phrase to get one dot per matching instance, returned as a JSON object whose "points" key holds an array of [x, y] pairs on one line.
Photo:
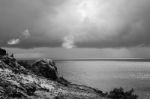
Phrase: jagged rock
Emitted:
{"points": [[11, 63], [30, 88], [46, 68], [2, 52]]}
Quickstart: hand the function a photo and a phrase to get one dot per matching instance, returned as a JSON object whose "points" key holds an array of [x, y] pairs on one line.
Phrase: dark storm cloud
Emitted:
{"points": [[18, 15], [128, 37], [134, 30], [56, 23]]}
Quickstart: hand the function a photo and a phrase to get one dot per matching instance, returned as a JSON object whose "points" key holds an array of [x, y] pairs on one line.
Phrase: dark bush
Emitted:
{"points": [[119, 93]]}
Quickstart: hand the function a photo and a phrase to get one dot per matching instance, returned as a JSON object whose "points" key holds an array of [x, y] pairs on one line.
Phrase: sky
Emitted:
{"points": [[75, 28]]}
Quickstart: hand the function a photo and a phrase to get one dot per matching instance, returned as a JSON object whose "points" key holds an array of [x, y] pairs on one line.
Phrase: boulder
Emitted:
{"points": [[2, 52], [45, 68]]}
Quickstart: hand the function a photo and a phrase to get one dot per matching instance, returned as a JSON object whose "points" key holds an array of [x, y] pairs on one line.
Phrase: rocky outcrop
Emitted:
{"points": [[12, 64], [45, 68], [2, 52], [16, 82]]}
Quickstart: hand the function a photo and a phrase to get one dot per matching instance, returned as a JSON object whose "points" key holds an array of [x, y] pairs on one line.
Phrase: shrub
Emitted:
{"points": [[119, 93]]}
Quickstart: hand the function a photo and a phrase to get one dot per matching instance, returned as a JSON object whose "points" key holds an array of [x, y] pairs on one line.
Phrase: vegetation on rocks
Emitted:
{"points": [[119, 93]]}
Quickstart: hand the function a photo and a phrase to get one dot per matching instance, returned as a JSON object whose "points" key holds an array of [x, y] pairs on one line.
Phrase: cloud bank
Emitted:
{"points": [[74, 23], [24, 35]]}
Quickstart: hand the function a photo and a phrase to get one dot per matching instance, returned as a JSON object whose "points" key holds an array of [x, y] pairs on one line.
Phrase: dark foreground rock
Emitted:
{"points": [[45, 68], [41, 82], [2, 52]]}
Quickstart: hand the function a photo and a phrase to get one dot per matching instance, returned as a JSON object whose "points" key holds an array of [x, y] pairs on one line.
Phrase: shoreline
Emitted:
{"points": [[22, 80]]}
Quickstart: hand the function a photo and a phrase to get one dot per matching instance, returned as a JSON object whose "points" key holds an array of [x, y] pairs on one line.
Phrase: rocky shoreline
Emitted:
{"points": [[40, 80]]}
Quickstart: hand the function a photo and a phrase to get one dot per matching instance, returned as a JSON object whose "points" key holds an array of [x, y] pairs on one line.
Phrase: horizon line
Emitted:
{"points": [[86, 59]]}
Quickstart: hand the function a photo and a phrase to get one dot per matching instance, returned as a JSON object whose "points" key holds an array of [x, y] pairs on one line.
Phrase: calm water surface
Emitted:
{"points": [[106, 75]]}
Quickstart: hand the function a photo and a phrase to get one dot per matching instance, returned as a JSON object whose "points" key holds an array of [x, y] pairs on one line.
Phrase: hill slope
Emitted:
{"points": [[17, 82]]}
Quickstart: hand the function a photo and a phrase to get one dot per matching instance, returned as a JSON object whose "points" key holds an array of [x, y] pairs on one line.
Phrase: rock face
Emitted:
{"points": [[2, 52], [17, 82], [46, 68]]}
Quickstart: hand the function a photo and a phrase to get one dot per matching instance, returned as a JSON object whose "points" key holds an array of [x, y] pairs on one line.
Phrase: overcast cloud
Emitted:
{"points": [[75, 23]]}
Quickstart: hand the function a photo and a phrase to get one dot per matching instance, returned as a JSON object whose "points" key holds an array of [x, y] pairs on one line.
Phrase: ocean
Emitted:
{"points": [[107, 75]]}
